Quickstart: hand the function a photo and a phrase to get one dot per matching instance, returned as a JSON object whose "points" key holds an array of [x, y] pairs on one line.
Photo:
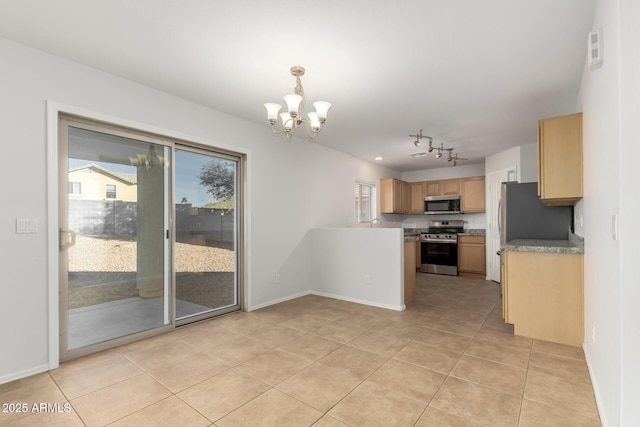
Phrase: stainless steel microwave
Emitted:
{"points": [[441, 205]]}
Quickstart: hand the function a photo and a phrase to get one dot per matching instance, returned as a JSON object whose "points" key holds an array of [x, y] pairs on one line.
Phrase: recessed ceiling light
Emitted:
{"points": [[421, 154], [378, 158]]}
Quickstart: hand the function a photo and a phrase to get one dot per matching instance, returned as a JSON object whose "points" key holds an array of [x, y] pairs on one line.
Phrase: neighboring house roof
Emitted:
{"points": [[222, 204], [127, 178]]}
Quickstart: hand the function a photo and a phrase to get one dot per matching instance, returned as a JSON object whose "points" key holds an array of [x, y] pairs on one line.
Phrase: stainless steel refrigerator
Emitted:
{"points": [[524, 216]]}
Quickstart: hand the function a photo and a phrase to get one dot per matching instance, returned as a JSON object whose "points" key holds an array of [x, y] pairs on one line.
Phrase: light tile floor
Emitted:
{"points": [[448, 360]]}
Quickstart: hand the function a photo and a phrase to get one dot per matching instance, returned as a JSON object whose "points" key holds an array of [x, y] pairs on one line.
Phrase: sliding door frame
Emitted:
{"points": [[54, 112], [238, 232]]}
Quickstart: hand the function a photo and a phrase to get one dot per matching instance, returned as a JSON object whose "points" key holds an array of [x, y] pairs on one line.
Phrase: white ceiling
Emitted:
{"points": [[476, 75]]}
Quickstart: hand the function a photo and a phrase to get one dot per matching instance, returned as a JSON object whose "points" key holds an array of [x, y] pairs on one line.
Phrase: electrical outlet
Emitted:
{"points": [[276, 278], [593, 334]]}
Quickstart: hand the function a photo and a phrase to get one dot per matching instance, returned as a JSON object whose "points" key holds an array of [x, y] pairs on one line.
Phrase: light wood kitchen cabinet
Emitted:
{"points": [[405, 203], [450, 186], [432, 188], [442, 187], [417, 197], [471, 256], [472, 197], [395, 196], [543, 295], [560, 159], [409, 270]]}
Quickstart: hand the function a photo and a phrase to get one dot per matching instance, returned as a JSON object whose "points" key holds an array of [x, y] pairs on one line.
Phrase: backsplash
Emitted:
{"points": [[471, 220]]}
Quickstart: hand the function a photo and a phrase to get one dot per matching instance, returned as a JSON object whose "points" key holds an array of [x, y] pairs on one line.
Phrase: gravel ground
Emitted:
{"points": [[103, 270], [107, 254]]}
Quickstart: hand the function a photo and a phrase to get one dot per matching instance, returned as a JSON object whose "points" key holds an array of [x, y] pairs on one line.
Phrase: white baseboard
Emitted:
{"points": [[359, 301], [278, 301], [596, 392], [323, 294], [23, 374]]}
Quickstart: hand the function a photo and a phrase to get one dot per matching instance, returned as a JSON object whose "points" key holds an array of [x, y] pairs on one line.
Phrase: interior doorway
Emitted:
{"points": [[494, 183], [133, 261]]}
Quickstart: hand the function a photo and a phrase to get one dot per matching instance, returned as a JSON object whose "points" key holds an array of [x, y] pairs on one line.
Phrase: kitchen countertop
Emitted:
{"points": [[472, 232], [466, 231], [575, 245]]}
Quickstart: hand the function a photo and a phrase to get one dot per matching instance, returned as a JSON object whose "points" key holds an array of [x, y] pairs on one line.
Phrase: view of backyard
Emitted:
{"points": [[103, 269]]}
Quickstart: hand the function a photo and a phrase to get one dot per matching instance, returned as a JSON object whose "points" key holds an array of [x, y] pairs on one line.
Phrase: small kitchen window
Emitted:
{"points": [[365, 193]]}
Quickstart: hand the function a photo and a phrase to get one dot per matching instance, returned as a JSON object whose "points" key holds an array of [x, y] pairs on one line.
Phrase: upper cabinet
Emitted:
{"points": [[560, 159], [472, 196], [402, 197], [395, 196], [418, 192], [443, 187]]}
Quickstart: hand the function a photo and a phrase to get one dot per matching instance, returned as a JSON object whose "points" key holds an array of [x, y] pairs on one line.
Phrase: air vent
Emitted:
{"points": [[419, 154]]}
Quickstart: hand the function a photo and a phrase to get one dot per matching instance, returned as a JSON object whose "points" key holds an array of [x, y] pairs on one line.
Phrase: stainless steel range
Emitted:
{"points": [[439, 247]]}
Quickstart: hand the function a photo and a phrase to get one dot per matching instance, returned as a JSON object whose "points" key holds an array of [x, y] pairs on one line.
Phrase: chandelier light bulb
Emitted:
{"points": [[272, 111], [439, 154], [287, 121], [417, 143], [314, 121], [293, 102], [322, 108]]}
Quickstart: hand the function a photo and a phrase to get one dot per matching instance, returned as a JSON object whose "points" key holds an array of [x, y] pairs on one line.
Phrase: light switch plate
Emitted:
{"points": [[614, 226], [26, 225]]}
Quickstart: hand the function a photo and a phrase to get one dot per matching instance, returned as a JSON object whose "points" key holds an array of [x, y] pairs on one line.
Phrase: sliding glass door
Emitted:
{"points": [[148, 235]]}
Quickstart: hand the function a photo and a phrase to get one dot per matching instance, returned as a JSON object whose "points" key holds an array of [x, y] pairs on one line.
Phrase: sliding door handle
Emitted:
{"points": [[67, 239]]}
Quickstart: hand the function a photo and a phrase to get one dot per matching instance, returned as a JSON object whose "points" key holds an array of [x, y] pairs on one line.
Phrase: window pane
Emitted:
{"points": [[111, 191], [364, 202]]}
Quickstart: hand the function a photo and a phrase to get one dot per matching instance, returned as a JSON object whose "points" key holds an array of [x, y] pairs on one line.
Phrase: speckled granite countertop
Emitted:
{"points": [[473, 232], [575, 245], [466, 231]]}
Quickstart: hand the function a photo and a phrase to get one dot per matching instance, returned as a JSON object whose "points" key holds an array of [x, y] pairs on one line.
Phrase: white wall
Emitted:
{"points": [[504, 160], [448, 172], [359, 264], [292, 187], [529, 162], [609, 101]]}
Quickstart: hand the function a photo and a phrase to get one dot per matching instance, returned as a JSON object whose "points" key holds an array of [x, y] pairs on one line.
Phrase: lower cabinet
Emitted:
{"points": [[409, 270], [471, 256], [543, 295]]}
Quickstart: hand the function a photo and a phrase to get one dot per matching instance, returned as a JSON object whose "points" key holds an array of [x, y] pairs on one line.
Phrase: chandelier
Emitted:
{"points": [[439, 150], [295, 117]]}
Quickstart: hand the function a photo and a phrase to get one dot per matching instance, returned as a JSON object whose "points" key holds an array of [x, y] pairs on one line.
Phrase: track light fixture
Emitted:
{"points": [[418, 141], [439, 150]]}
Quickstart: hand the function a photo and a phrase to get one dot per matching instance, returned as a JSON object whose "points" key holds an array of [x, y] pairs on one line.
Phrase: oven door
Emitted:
{"points": [[439, 258]]}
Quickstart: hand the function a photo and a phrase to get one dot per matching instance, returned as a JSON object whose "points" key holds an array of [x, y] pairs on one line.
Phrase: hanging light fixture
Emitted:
{"points": [[294, 118], [439, 150]]}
